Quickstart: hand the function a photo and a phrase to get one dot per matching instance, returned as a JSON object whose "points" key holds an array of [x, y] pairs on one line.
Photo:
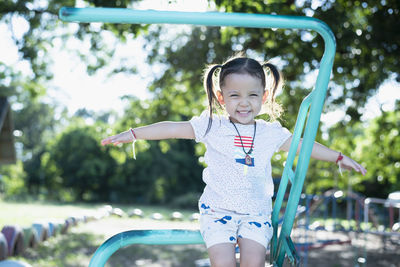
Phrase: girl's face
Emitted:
{"points": [[243, 96]]}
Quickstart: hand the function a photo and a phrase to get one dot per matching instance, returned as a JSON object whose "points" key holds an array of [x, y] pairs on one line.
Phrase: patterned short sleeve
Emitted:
{"points": [[200, 124], [281, 133]]}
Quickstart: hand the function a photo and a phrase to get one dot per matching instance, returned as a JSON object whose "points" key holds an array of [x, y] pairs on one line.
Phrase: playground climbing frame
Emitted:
{"points": [[307, 120]]}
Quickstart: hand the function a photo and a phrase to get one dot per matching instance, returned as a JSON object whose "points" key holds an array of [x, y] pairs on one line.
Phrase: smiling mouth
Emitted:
{"points": [[243, 113]]}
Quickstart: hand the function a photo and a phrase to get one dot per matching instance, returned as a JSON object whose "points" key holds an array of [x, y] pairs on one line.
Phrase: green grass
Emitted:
{"points": [[77, 247], [72, 249], [24, 214]]}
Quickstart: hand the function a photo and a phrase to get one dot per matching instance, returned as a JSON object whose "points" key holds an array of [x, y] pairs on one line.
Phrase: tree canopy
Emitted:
{"points": [[62, 154]]}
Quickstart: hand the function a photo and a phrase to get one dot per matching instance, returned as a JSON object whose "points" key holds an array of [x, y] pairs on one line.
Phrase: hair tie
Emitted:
{"points": [[269, 65], [213, 68]]}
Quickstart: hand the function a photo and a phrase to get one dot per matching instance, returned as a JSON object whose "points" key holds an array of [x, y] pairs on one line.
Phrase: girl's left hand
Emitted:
{"points": [[349, 164], [124, 137]]}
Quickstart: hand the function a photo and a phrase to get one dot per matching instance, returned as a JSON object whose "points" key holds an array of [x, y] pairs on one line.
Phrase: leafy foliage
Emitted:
{"points": [[45, 28], [62, 158], [382, 143], [84, 166], [361, 65], [368, 49], [164, 169]]}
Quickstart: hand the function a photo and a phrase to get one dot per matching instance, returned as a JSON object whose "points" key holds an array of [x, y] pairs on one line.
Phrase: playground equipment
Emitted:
{"points": [[344, 218], [3, 247], [7, 148], [328, 206], [15, 239], [11, 263], [391, 203], [310, 111], [31, 237], [42, 229]]}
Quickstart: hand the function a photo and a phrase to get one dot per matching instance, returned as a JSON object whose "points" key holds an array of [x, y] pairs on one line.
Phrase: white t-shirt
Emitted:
{"points": [[230, 183]]}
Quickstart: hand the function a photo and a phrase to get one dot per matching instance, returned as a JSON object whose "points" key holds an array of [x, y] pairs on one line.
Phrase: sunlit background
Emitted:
{"points": [[74, 88], [68, 100]]}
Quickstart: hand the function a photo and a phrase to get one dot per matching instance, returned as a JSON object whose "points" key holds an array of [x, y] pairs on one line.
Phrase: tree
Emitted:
{"points": [[35, 123], [35, 118], [367, 54], [85, 167], [163, 170], [362, 63], [45, 27], [381, 147], [368, 45]]}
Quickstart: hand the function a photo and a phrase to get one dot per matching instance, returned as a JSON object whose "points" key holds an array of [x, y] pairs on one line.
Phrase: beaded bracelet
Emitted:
{"points": [[133, 142], [338, 160]]}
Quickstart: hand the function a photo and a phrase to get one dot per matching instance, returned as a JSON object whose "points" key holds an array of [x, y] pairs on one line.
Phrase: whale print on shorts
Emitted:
{"points": [[223, 219], [203, 206], [256, 224]]}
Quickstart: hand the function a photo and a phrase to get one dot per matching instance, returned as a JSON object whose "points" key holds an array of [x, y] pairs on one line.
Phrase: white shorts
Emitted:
{"points": [[225, 226]]}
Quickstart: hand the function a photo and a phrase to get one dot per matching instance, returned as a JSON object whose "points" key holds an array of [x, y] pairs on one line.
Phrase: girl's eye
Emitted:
{"points": [[253, 95], [233, 95]]}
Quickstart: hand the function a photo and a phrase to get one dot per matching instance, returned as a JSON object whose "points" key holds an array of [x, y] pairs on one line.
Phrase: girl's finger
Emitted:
{"points": [[105, 142], [363, 170]]}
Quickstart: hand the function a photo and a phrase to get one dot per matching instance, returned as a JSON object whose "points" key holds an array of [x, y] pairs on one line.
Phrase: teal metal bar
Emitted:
{"points": [[312, 105], [122, 15], [301, 119], [310, 132], [147, 237]]}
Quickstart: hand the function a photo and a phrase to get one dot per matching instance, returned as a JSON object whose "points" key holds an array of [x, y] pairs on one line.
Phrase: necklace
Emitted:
{"points": [[247, 159]]}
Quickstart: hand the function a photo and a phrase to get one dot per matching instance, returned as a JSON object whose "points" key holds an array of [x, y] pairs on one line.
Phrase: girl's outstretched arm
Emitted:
{"points": [[321, 152], [156, 131]]}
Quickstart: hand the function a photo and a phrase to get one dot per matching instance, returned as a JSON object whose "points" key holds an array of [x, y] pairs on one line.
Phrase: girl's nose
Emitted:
{"points": [[244, 102]]}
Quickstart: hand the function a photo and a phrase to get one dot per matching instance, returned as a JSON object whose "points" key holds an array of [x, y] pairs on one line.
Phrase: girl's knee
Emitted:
{"points": [[258, 261], [251, 253], [223, 262], [222, 255]]}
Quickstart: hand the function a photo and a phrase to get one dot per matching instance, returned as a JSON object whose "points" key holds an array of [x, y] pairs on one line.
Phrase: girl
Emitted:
{"points": [[236, 204]]}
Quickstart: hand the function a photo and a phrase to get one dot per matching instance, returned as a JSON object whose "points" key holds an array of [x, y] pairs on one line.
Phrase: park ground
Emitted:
{"points": [[77, 247]]}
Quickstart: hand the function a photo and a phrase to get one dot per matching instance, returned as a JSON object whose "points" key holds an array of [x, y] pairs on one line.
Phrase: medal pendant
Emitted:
{"points": [[247, 160]]}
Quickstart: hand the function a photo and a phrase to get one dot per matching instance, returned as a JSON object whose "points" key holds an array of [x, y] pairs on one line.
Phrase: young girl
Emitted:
{"points": [[236, 204]]}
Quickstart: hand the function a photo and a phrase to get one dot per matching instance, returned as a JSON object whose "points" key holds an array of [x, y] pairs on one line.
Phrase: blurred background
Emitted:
{"points": [[66, 86], [69, 85]]}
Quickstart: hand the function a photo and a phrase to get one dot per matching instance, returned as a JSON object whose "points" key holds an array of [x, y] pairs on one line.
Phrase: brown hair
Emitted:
{"points": [[244, 65]]}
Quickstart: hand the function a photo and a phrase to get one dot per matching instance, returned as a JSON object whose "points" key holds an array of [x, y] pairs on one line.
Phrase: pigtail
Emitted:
{"points": [[274, 109], [209, 86]]}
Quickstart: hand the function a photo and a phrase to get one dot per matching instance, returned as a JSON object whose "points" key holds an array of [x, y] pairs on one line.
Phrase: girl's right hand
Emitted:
{"points": [[124, 137], [350, 164]]}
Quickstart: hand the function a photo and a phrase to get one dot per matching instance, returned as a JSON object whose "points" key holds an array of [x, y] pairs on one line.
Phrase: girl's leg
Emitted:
{"points": [[252, 253], [222, 255]]}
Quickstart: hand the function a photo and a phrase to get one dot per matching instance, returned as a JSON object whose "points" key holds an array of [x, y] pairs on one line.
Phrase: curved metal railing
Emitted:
{"points": [[311, 106]]}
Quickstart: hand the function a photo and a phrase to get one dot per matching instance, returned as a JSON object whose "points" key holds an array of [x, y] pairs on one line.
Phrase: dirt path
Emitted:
{"points": [[354, 250], [113, 225]]}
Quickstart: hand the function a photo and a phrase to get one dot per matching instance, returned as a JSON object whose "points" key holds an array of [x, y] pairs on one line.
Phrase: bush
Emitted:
{"points": [[12, 181], [186, 201]]}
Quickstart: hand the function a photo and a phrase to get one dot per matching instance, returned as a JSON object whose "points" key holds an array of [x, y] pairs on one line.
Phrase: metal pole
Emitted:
{"points": [[119, 15], [150, 237]]}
